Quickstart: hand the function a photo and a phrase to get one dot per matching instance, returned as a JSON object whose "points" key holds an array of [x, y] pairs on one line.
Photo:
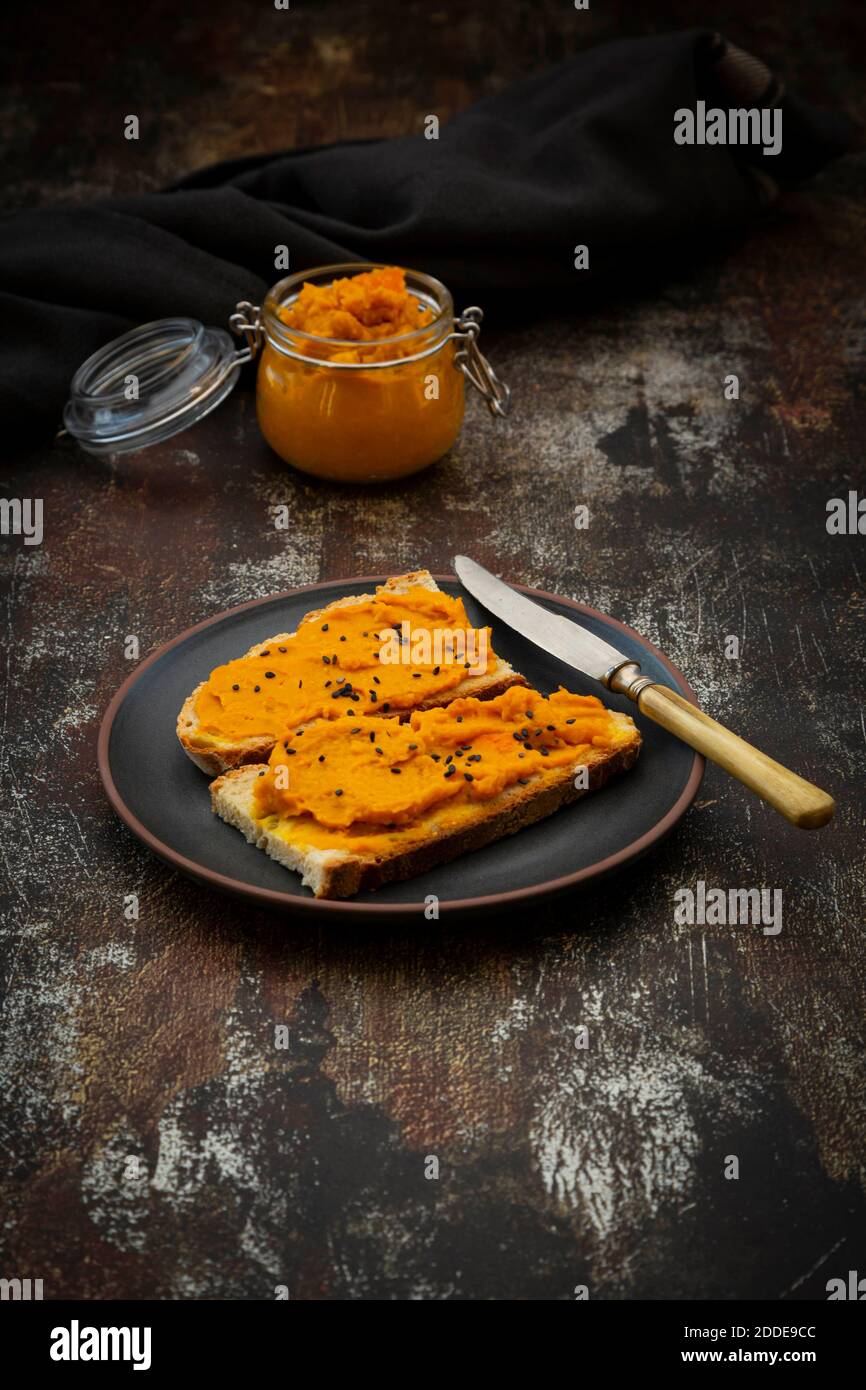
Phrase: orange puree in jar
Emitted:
{"points": [[344, 661], [362, 308], [369, 784], [360, 405]]}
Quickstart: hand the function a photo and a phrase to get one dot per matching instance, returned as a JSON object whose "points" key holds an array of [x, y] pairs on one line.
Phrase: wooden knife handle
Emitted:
{"points": [[798, 800]]}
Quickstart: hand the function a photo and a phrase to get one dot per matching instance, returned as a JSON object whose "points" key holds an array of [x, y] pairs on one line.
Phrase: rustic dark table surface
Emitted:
{"points": [[155, 1143]]}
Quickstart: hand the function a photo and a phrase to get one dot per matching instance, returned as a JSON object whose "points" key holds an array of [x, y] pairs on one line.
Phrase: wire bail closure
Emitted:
{"points": [[246, 322], [470, 360]]}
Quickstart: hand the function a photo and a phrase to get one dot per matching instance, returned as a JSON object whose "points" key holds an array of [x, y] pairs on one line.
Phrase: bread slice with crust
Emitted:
{"points": [[214, 755], [337, 873]]}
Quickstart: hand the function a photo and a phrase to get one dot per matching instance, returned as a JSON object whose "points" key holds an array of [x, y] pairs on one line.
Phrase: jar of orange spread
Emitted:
{"points": [[361, 374], [362, 368]]}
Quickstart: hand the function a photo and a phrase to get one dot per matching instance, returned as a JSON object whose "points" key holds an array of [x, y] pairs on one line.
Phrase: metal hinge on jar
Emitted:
{"points": [[470, 360], [246, 322]]}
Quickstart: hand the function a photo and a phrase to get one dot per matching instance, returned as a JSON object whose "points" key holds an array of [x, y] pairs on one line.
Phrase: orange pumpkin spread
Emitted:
{"points": [[361, 309], [389, 653], [372, 785], [330, 417]]}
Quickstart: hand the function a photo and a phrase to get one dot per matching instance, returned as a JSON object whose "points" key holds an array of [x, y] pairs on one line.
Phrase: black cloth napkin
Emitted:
{"points": [[582, 154]]}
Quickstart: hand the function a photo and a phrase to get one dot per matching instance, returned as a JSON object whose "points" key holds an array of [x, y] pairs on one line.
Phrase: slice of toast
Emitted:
{"points": [[337, 873], [214, 755]]}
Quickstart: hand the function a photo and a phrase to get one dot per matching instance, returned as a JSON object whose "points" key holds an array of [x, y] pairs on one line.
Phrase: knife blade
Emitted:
{"points": [[799, 801], [559, 636]]}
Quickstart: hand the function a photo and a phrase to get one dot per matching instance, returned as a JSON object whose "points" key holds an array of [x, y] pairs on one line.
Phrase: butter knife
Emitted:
{"points": [[796, 799]]}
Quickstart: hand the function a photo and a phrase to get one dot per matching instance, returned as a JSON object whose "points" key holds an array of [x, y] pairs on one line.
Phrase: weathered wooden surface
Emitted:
{"points": [[155, 1142]]}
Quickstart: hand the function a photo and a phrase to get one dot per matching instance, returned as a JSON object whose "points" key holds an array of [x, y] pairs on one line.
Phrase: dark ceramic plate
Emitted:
{"points": [[163, 797]]}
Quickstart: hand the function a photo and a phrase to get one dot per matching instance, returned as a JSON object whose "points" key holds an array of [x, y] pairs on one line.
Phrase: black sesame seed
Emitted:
{"points": [[257, 688], [290, 752], [372, 737], [300, 683], [281, 649], [379, 751], [450, 758], [327, 660], [569, 721], [386, 707], [261, 774], [543, 752], [459, 718], [356, 730], [269, 675], [338, 791], [324, 627], [376, 680], [321, 757], [523, 781], [235, 687], [416, 675], [529, 714], [468, 777], [374, 697], [299, 733], [551, 728], [518, 736], [327, 683], [267, 653], [343, 639], [435, 757], [436, 670], [450, 772], [396, 771], [413, 746]]}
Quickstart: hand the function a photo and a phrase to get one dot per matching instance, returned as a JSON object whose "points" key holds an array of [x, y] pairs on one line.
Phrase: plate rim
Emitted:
{"points": [[340, 907]]}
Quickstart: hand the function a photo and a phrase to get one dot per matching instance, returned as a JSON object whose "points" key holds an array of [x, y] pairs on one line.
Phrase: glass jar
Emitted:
{"points": [[359, 411], [351, 411]]}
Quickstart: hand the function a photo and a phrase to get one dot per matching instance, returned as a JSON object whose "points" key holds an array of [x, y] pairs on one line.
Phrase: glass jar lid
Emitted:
{"points": [[150, 384]]}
